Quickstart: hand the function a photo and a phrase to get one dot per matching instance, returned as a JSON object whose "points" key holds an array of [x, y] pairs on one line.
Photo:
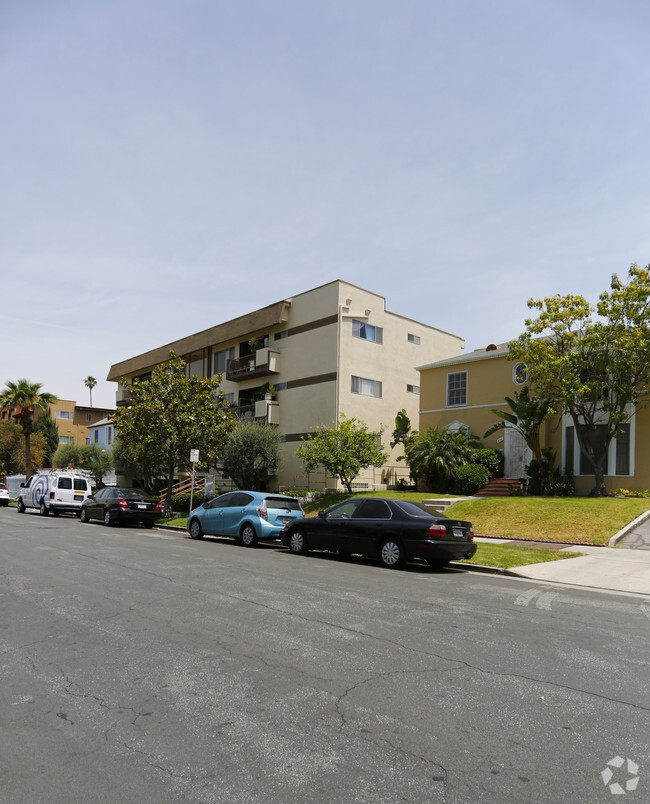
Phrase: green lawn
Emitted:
{"points": [[514, 555], [577, 520]]}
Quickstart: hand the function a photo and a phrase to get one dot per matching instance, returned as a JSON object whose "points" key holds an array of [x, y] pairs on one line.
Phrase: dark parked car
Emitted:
{"points": [[392, 530], [120, 505], [245, 515]]}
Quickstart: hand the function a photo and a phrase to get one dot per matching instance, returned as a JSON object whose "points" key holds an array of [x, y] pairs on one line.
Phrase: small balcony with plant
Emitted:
{"points": [[256, 360]]}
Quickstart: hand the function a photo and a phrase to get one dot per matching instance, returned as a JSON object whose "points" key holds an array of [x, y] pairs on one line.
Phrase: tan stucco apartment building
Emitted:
{"points": [[329, 351]]}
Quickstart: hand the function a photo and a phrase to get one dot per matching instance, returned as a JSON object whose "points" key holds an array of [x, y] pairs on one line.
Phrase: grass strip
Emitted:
{"points": [[505, 556]]}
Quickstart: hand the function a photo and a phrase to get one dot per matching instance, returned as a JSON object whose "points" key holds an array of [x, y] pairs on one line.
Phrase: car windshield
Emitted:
{"points": [[134, 494], [286, 503], [418, 510]]}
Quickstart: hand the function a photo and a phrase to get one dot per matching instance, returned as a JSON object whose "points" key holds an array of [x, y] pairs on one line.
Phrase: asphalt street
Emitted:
{"points": [[142, 666]]}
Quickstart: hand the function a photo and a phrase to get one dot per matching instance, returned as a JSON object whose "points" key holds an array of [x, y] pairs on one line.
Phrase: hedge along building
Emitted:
{"points": [[329, 351], [460, 392]]}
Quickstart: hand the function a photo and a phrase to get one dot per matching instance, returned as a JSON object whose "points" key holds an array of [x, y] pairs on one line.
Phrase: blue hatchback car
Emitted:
{"points": [[245, 515]]}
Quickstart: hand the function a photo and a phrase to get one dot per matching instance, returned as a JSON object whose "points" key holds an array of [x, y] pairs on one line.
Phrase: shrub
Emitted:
{"points": [[471, 477], [296, 492], [181, 502], [562, 489], [492, 459]]}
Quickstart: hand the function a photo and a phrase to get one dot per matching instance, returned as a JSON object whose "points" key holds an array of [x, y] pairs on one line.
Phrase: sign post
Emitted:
{"points": [[194, 457]]}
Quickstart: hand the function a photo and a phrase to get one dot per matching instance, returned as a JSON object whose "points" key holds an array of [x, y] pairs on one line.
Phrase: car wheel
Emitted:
{"points": [[391, 554], [196, 532], [297, 542], [21, 506], [108, 518], [83, 515], [42, 509], [247, 535]]}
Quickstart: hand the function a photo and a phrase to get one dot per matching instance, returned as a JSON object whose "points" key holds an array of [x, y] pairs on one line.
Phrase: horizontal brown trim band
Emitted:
{"points": [[321, 322], [315, 380], [296, 436]]}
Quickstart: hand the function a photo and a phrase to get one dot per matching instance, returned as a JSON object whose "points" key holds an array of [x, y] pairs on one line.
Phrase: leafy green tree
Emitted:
{"points": [[90, 457], [344, 450], [252, 455], [29, 398], [436, 454], [135, 461], [12, 449], [90, 382], [596, 371], [170, 414], [46, 425]]}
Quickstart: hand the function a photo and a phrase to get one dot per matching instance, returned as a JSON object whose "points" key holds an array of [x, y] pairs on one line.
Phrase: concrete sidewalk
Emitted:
{"points": [[614, 569]]}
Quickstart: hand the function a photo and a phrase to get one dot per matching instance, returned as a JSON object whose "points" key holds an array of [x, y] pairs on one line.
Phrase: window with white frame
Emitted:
{"points": [[456, 388], [413, 389], [519, 374], [367, 331], [618, 460], [63, 414], [220, 360], [66, 440], [361, 385], [414, 338]]}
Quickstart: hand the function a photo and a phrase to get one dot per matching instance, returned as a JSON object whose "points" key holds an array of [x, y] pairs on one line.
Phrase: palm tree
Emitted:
{"points": [[90, 382], [29, 398]]}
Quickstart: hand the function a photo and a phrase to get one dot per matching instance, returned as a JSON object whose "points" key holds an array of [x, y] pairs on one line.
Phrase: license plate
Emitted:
{"points": [[458, 533], [142, 505], [79, 497]]}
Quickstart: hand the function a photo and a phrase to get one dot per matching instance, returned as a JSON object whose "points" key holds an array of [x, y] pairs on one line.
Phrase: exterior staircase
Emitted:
{"points": [[499, 487]]}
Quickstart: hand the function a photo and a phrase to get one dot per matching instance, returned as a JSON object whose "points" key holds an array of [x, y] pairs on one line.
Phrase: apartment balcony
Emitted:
{"points": [[263, 363], [267, 411]]}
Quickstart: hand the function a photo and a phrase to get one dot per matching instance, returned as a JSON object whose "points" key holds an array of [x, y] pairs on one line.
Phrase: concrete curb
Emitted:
{"points": [[617, 537]]}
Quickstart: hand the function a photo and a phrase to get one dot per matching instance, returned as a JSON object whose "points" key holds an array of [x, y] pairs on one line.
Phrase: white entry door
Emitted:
{"points": [[516, 453]]}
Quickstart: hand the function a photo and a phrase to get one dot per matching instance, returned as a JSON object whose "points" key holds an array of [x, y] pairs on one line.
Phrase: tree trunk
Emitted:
{"points": [[28, 454], [168, 495]]}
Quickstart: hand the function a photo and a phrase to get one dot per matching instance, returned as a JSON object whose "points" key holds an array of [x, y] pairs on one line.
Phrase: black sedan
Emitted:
{"points": [[121, 505], [392, 530]]}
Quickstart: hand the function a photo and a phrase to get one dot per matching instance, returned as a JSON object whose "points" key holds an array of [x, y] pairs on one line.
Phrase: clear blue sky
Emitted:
{"points": [[168, 165]]}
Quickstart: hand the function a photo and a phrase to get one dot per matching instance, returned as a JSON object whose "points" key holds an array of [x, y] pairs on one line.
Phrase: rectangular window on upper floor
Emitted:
{"points": [[367, 331], [63, 414], [220, 360], [414, 338], [413, 389], [361, 385], [456, 388]]}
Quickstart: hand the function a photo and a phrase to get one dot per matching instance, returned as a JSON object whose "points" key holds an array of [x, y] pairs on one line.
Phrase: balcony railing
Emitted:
{"points": [[262, 363]]}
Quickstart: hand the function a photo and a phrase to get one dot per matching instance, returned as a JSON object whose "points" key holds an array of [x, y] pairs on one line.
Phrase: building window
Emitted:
{"points": [[413, 389], [366, 331], [520, 374], [96, 435], [109, 435], [66, 440], [63, 414], [414, 338], [220, 360], [622, 442], [569, 449], [89, 417], [457, 388], [360, 385], [279, 335]]}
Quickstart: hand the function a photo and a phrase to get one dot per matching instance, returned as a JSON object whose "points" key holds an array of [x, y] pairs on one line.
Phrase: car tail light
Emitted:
{"points": [[437, 532], [123, 503], [51, 495], [470, 533], [159, 506], [261, 510]]}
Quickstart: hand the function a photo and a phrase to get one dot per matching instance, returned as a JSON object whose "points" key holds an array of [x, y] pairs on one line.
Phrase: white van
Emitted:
{"points": [[57, 490]]}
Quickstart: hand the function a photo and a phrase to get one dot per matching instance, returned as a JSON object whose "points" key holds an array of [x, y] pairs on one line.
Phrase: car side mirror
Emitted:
{"points": [[205, 505], [321, 514]]}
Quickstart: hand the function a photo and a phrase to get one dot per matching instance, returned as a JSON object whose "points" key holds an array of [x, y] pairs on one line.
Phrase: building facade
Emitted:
{"points": [[462, 391], [73, 421], [306, 360]]}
